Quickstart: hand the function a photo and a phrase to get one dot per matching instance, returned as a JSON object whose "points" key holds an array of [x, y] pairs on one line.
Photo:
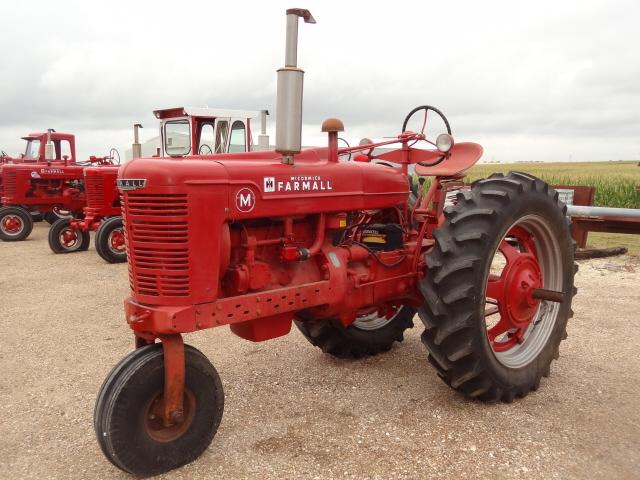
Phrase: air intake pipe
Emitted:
{"points": [[290, 82]]}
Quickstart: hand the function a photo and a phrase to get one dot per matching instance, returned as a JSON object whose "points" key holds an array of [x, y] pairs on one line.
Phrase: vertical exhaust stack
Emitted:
{"points": [[49, 154], [136, 148], [290, 82], [263, 138]]}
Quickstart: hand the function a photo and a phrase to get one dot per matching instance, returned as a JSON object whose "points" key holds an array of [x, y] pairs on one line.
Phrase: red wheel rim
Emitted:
{"points": [[511, 306], [116, 241], [68, 238], [12, 224]]}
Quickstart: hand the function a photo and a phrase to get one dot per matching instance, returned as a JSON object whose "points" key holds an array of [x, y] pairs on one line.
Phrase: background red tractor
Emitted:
{"points": [[47, 179], [41, 148], [263, 240], [101, 214]]}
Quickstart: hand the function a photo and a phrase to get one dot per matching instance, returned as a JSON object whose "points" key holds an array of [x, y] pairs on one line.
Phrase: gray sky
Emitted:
{"points": [[536, 80]]}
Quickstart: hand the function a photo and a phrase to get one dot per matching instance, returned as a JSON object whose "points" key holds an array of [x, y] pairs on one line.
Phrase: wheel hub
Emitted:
{"points": [[521, 279], [512, 291], [68, 237], [154, 422], [116, 241], [11, 224]]}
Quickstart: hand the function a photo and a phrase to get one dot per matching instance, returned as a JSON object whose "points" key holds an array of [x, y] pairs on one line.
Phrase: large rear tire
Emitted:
{"points": [[15, 224], [368, 335], [514, 225], [65, 239], [129, 432], [109, 241], [54, 215]]}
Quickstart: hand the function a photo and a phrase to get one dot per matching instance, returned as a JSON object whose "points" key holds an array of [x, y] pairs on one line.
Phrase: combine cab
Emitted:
{"points": [[262, 241]]}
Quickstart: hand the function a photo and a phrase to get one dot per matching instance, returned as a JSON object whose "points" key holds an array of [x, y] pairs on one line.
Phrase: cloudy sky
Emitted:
{"points": [[536, 80]]}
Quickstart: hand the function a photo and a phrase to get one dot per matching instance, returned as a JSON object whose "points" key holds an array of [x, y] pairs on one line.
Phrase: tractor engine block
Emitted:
{"points": [[333, 245]]}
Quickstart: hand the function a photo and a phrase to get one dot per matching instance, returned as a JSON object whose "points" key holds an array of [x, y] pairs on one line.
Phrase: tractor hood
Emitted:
{"points": [[258, 185]]}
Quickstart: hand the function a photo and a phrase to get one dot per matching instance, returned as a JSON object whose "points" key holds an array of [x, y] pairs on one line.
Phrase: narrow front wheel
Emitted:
{"points": [[128, 413], [110, 241], [63, 238]]}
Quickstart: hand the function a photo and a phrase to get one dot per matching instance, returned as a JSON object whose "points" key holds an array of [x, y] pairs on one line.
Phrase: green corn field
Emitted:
{"points": [[617, 183]]}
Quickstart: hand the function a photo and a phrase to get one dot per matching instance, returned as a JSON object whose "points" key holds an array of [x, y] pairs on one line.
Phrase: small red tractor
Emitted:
{"points": [[61, 145], [263, 240], [47, 179], [101, 213]]}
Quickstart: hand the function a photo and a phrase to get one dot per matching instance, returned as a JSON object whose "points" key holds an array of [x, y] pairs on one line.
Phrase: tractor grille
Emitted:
{"points": [[94, 190], [157, 244], [9, 184]]}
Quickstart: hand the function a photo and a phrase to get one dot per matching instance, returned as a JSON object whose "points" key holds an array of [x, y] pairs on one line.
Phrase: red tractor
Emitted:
{"points": [[101, 214], [262, 241], [61, 145], [46, 179]]}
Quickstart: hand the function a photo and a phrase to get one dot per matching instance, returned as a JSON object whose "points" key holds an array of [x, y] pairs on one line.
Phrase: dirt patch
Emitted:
{"points": [[292, 412]]}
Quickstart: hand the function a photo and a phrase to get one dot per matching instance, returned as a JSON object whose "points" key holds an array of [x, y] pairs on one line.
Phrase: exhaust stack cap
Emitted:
{"points": [[290, 86]]}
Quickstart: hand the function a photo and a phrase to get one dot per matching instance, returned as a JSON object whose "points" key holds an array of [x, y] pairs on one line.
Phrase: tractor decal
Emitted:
{"points": [[131, 183], [245, 200], [313, 183]]}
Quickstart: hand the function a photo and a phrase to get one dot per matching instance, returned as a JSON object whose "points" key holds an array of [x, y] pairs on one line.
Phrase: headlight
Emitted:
{"points": [[444, 142]]}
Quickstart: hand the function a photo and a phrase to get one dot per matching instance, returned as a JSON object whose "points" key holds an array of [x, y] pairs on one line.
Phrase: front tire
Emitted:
{"points": [[65, 239], [15, 224], [370, 334], [128, 432], [110, 241], [516, 226]]}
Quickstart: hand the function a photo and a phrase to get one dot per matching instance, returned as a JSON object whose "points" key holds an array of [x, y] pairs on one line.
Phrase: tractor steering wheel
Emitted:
{"points": [[201, 148], [426, 109], [112, 156], [340, 139]]}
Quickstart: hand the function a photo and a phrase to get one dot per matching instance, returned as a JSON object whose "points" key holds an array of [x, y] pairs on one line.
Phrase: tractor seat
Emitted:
{"points": [[462, 156]]}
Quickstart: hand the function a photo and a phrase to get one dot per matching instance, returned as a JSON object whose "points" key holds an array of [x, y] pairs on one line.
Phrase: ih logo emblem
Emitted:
{"points": [[245, 200], [131, 183], [269, 184]]}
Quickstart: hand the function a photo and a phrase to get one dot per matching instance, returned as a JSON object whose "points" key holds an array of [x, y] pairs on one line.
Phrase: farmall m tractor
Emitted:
{"points": [[60, 145], [260, 241], [183, 130], [48, 179]]}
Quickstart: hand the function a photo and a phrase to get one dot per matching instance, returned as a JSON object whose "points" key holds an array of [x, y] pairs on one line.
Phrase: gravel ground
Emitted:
{"points": [[292, 412]]}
